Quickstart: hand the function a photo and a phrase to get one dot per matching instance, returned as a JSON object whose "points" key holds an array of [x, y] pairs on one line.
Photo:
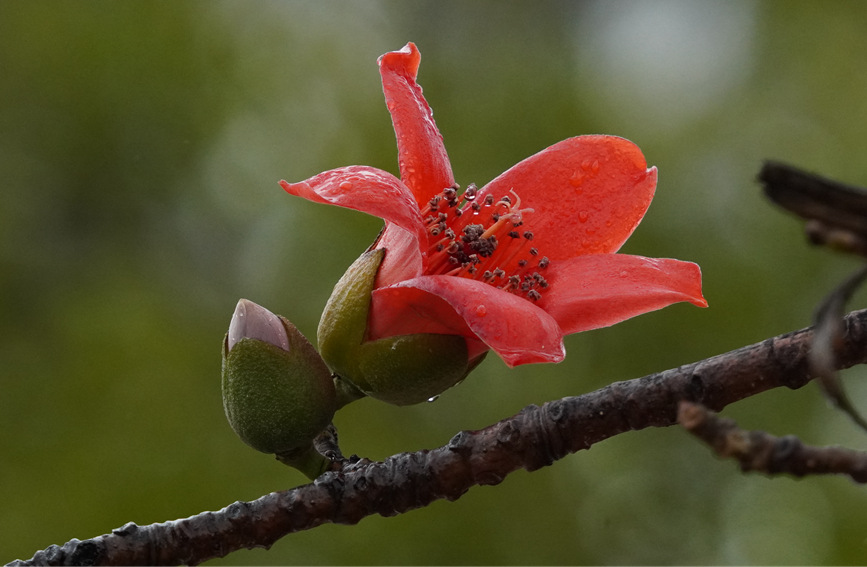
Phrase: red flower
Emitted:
{"points": [[521, 262]]}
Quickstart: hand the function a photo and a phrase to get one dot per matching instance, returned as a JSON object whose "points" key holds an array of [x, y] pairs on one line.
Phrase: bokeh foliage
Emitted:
{"points": [[140, 148]]}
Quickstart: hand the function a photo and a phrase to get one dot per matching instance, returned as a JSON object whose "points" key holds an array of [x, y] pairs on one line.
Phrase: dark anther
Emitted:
{"points": [[472, 232], [434, 202], [484, 246], [489, 199], [476, 206], [514, 280], [543, 263], [514, 234], [470, 193], [442, 217], [495, 217], [534, 252], [458, 212], [528, 235], [534, 295], [522, 263], [450, 234], [488, 274], [440, 247], [506, 199], [498, 273]]}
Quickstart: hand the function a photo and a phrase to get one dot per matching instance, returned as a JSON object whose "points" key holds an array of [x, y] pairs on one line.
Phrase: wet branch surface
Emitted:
{"points": [[534, 438]]}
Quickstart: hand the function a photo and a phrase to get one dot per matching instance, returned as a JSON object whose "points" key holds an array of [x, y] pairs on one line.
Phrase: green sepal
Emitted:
{"points": [[400, 370], [277, 401]]}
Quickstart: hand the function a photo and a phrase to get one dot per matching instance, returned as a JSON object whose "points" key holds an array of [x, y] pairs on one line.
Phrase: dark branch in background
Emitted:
{"points": [[534, 438], [836, 216], [761, 452]]}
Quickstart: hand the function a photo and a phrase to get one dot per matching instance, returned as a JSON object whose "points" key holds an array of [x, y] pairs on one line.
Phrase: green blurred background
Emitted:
{"points": [[140, 148]]}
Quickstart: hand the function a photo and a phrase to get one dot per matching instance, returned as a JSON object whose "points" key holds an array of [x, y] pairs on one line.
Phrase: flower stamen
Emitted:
{"points": [[479, 239]]}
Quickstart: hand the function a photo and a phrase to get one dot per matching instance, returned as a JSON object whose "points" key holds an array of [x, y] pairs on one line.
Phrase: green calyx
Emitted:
{"points": [[278, 400], [400, 370]]}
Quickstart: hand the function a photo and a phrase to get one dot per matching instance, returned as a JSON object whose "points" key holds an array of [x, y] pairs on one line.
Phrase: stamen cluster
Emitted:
{"points": [[480, 239]]}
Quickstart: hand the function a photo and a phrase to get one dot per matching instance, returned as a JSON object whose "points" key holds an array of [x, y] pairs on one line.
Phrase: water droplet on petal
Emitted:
{"points": [[433, 399], [577, 179], [345, 185], [624, 274], [594, 167], [583, 216], [481, 311]]}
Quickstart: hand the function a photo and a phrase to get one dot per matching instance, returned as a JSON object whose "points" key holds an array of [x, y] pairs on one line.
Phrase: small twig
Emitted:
{"points": [[828, 337], [758, 451]]}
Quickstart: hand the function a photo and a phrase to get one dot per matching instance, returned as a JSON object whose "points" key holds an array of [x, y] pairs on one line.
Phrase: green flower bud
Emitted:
{"points": [[400, 370], [278, 394]]}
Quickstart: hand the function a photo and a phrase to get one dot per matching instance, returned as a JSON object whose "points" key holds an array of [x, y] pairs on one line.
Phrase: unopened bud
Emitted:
{"points": [[278, 394]]}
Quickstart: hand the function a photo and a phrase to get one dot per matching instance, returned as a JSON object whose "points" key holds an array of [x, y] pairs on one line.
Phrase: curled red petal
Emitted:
{"points": [[589, 292], [403, 258], [364, 189], [515, 328], [588, 194], [424, 163]]}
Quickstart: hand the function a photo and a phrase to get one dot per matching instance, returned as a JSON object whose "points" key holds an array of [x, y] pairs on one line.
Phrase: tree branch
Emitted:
{"points": [[761, 452], [534, 438]]}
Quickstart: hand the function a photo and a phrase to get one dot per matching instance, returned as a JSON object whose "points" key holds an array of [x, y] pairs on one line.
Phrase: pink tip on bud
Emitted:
{"points": [[255, 322]]}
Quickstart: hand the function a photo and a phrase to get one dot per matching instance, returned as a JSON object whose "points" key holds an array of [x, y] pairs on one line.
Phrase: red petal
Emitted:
{"points": [[514, 327], [424, 163], [403, 258], [599, 290], [588, 194], [364, 189]]}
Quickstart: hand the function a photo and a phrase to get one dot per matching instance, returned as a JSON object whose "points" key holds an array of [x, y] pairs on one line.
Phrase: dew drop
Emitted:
{"points": [[585, 165], [576, 180], [481, 310], [432, 399], [391, 105], [583, 216], [624, 274], [595, 166], [345, 185]]}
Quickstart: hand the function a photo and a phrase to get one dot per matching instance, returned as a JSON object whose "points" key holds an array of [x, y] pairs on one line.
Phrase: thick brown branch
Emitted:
{"points": [[762, 452], [534, 438]]}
